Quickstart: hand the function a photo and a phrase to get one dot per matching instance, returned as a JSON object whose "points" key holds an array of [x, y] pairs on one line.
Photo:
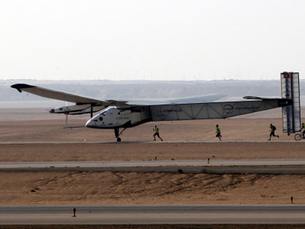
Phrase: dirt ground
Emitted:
{"points": [[186, 226], [19, 128], [148, 188], [243, 138]]}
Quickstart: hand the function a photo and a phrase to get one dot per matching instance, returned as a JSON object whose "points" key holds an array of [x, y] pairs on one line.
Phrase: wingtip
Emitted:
{"points": [[20, 86]]}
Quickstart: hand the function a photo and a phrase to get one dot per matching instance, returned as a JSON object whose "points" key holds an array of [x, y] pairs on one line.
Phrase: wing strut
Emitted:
{"points": [[66, 121]]}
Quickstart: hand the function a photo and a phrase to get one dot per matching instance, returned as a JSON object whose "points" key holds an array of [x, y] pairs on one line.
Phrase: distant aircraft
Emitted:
{"points": [[125, 114]]}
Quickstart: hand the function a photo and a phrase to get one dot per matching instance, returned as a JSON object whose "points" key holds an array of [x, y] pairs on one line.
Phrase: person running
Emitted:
{"points": [[156, 130], [303, 128], [218, 132], [272, 132]]}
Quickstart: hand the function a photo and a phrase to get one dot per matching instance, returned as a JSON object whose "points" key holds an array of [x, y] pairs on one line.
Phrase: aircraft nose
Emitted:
{"points": [[90, 123]]}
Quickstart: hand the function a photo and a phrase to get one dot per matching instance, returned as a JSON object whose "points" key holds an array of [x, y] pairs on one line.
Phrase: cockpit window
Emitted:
{"points": [[104, 113]]}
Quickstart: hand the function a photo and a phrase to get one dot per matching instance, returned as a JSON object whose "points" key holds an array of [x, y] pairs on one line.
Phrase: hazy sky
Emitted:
{"points": [[151, 40]]}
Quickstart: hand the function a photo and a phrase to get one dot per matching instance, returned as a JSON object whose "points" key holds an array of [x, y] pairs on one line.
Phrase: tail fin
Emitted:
{"points": [[290, 84]]}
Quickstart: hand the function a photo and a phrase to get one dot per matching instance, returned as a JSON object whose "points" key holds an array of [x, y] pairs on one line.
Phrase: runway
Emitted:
{"points": [[266, 166], [153, 214]]}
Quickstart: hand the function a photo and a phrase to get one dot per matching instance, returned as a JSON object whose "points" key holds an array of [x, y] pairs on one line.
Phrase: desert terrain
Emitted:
{"points": [[243, 138], [30, 136]]}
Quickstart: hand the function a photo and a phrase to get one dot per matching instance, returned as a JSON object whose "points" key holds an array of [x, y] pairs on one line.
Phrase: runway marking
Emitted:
{"points": [[153, 214], [270, 166]]}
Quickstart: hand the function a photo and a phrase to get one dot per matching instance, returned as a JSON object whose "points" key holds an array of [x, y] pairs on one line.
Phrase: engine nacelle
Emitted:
{"points": [[76, 109], [68, 109]]}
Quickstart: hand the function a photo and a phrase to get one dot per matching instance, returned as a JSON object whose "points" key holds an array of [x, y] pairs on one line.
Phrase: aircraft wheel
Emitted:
{"points": [[118, 139], [297, 137]]}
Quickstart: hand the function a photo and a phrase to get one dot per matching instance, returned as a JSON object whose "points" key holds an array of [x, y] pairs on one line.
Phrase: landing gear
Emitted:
{"points": [[117, 133]]}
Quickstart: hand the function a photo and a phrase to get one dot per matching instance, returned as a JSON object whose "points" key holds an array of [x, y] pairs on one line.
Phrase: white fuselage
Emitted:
{"points": [[116, 117]]}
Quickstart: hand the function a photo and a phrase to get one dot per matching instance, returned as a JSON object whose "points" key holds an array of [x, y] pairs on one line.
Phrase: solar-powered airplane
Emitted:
{"points": [[122, 114]]}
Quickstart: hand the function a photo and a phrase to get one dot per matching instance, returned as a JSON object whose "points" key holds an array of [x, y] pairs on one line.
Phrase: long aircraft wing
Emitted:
{"points": [[215, 110], [59, 95], [197, 107], [52, 94]]}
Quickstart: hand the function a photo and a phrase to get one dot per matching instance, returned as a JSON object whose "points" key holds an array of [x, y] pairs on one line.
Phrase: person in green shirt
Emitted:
{"points": [[218, 132], [303, 128], [272, 132], [156, 130]]}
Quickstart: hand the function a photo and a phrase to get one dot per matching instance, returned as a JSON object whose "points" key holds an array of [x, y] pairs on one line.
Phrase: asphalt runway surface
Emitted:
{"points": [[153, 214], [156, 163], [266, 166]]}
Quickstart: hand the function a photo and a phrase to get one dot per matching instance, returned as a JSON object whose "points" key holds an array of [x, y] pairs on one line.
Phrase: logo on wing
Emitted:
{"points": [[228, 109]]}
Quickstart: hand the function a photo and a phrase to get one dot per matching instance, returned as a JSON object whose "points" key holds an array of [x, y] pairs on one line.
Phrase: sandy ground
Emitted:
{"points": [[148, 151], [186, 226], [148, 188], [233, 129], [82, 144]]}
